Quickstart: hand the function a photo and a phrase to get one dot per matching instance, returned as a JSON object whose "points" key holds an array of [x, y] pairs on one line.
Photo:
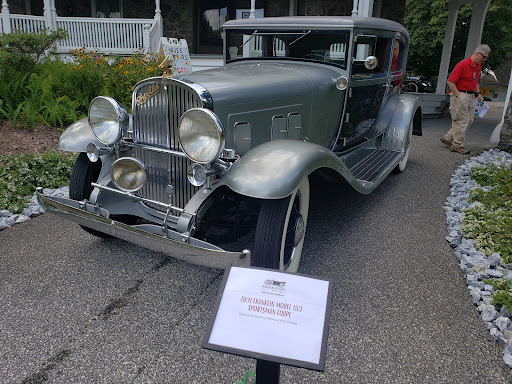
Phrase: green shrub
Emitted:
{"points": [[490, 222], [20, 175], [39, 96], [23, 50], [502, 297], [57, 93]]}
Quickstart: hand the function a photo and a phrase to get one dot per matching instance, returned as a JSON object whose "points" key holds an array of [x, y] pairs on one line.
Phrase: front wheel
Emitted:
{"points": [[281, 229], [83, 174]]}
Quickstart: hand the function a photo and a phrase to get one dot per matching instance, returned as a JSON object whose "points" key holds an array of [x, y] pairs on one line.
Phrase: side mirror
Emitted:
{"points": [[371, 62]]}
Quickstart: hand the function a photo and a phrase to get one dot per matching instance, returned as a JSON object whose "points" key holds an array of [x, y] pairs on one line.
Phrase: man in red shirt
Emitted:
{"points": [[463, 83]]}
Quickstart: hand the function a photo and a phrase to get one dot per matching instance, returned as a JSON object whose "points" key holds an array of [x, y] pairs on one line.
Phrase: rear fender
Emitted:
{"points": [[408, 108]]}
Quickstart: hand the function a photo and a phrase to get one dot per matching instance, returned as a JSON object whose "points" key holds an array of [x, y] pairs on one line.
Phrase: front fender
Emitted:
{"points": [[76, 137], [274, 169]]}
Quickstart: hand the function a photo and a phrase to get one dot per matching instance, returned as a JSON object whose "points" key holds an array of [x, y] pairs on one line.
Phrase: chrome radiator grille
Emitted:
{"points": [[163, 170], [155, 120], [155, 124]]}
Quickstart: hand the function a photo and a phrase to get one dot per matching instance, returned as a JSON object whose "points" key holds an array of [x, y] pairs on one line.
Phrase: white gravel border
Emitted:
{"points": [[476, 265]]}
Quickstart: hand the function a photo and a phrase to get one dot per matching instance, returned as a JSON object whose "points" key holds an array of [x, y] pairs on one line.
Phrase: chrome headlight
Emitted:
{"points": [[201, 135], [128, 174], [108, 120]]}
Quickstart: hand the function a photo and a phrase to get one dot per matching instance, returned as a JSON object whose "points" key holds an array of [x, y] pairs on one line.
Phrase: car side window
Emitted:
{"points": [[364, 48], [397, 61]]}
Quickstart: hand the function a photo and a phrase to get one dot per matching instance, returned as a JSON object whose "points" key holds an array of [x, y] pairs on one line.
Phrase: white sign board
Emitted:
{"points": [[178, 51], [272, 315]]}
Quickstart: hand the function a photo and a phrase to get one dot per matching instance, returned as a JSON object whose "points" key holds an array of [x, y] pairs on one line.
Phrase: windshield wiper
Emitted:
{"points": [[249, 39], [300, 37]]}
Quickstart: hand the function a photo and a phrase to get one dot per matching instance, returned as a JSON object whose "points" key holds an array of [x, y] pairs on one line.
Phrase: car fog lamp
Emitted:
{"points": [[201, 135], [196, 174], [93, 152], [128, 174], [108, 120], [341, 83]]}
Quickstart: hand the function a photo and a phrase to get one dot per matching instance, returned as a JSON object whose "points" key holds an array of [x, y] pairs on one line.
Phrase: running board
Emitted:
{"points": [[370, 166]]}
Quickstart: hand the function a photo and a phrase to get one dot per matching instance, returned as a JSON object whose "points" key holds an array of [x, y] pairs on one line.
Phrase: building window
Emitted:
{"points": [[209, 17]]}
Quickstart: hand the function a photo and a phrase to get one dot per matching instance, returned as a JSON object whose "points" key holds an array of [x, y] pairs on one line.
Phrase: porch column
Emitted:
{"points": [[362, 8], [158, 18], [54, 15], [47, 12], [354, 8], [365, 8], [293, 8], [453, 9], [252, 14], [477, 25], [6, 23]]}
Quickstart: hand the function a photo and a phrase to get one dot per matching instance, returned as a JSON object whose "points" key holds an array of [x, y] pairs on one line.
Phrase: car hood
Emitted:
{"points": [[242, 83]]}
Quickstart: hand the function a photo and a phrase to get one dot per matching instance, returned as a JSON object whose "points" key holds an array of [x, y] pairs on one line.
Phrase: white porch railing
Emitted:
{"points": [[27, 23], [104, 35], [116, 36], [108, 36]]}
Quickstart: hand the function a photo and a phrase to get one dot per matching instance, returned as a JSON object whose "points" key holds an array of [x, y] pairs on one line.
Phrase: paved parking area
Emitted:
{"points": [[77, 309]]}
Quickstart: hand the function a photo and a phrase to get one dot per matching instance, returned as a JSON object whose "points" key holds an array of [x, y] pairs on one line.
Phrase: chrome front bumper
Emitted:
{"points": [[149, 236]]}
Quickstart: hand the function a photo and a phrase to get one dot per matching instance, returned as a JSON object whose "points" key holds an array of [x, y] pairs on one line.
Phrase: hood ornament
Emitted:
{"points": [[166, 66]]}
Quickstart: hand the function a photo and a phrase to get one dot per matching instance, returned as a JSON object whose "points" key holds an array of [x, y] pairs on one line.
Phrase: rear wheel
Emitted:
{"points": [[403, 163], [281, 229], [83, 174]]}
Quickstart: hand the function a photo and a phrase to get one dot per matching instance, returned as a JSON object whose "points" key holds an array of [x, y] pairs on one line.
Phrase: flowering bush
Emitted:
{"points": [[54, 92], [113, 77]]}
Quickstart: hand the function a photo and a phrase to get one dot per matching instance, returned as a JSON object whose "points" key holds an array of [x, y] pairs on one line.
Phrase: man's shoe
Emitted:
{"points": [[459, 149], [446, 142]]}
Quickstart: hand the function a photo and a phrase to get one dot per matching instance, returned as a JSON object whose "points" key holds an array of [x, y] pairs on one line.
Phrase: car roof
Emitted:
{"points": [[316, 22]]}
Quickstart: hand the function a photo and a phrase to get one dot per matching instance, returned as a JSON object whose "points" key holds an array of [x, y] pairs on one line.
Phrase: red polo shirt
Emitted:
{"points": [[465, 75]]}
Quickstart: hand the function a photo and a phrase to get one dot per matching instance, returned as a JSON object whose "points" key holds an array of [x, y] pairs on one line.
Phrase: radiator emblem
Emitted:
{"points": [[148, 95]]}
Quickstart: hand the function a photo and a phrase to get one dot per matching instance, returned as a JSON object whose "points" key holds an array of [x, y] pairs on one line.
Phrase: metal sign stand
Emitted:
{"points": [[275, 305], [267, 371]]}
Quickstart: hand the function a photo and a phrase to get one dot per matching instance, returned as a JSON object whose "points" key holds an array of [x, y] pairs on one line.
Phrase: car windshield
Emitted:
{"points": [[324, 46]]}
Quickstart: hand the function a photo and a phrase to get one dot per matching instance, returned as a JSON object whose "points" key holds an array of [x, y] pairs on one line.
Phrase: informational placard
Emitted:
{"points": [[272, 315], [178, 51]]}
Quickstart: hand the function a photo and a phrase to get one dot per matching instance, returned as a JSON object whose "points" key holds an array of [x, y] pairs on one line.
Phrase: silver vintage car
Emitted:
{"points": [[214, 167]]}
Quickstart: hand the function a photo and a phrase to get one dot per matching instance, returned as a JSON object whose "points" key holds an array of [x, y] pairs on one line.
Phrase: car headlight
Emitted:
{"points": [[128, 174], [108, 120], [201, 135]]}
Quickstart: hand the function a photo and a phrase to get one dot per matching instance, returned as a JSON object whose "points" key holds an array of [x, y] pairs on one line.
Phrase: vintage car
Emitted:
{"points": [[214, 166]]}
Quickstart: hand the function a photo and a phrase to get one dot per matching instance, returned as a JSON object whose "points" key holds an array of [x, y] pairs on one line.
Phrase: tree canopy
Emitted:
{"points": [[426, 21]]}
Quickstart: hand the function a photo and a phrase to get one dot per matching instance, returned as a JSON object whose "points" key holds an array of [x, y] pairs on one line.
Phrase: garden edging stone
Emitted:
{"points": [[475, 264]]}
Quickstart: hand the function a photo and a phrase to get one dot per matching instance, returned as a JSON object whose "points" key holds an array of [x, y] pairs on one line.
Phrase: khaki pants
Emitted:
{"points": [[462, 110]]}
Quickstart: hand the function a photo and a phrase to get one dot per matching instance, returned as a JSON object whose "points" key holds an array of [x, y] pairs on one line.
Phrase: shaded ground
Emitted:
{"points": [[14, 141]]}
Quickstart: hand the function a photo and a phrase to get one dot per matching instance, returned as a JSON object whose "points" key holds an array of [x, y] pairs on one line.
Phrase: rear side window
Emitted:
{"points": [[367, 46]]}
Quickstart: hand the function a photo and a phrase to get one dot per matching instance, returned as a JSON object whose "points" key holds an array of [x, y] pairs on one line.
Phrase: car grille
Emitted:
{"points": [[155, 124]]}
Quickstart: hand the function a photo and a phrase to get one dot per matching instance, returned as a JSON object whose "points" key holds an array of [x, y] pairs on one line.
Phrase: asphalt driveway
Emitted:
{"points": [[77, 309]]}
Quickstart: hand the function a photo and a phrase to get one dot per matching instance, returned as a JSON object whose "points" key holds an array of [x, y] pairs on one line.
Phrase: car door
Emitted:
{"points": [[368, 86]]}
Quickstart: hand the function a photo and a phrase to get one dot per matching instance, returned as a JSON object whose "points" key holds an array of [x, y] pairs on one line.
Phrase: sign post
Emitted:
{"points": [[274, 317]]}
